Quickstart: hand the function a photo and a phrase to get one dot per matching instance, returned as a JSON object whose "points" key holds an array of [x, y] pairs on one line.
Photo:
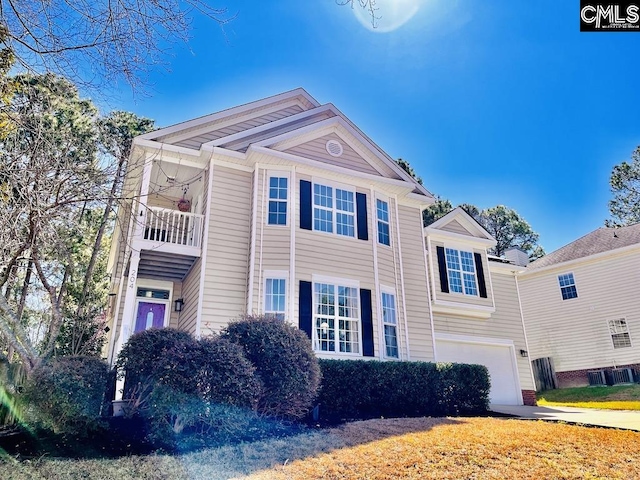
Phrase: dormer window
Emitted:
{"points": [[461, 272]]}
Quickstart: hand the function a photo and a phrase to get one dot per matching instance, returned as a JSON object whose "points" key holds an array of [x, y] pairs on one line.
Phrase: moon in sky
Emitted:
{"points": [[390, 14]]}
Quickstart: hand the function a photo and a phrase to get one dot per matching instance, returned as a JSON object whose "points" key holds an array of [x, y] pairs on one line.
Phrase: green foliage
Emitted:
{"points": [[625, 188], [284, 362], [66, 394], [435, 211], [406, 166], [356, 389]]}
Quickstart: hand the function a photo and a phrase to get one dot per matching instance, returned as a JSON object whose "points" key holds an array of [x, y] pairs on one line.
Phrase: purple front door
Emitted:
{"points": [[150, 315]]}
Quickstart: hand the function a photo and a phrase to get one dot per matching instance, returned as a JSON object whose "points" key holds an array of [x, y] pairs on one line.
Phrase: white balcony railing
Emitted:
{"points": [[173, 227]]}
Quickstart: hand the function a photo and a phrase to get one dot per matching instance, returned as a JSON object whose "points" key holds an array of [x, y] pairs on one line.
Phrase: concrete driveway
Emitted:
{"points": [[624, 419]]}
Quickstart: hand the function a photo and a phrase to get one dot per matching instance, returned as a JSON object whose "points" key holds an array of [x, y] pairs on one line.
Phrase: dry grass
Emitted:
{"points": [[470, 448], [623, 397]]}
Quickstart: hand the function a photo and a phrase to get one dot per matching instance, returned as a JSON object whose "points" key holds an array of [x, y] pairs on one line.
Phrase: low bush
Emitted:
{"points": [[284, 361], [67, 394], [356, 389]]}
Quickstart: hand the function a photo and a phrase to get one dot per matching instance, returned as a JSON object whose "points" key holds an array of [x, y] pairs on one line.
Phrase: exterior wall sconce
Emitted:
{"points": [[524, 353], [178, 304]]}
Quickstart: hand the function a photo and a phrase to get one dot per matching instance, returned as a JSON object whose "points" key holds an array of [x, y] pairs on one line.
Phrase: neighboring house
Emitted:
{"points": [[281, 207], [581, 307]]}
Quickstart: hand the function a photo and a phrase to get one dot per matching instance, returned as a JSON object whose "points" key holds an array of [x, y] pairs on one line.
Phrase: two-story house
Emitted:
{"points": [[283, 207], [581, 310]]}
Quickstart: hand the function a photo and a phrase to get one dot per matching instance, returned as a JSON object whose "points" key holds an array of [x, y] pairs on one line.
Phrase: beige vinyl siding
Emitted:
{"points": [[190, 292], [174, 317], [575, 332], [316, 150], [207, 133], [455, 227], [331, 255], [504, 323], [228, 249], [415, 283], [460, 297], [273, 242]]}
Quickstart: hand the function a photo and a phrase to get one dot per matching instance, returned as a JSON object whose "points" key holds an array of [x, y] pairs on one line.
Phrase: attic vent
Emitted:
{"points": [[334, 148]]}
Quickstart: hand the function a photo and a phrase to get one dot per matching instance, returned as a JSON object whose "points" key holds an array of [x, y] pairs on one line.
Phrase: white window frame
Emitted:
{"points": [[334, 210], [459, 249], [336, 282], [575, 287], [616, 332], [267, 196], [389, 291], [276, 275], [380, 221]]}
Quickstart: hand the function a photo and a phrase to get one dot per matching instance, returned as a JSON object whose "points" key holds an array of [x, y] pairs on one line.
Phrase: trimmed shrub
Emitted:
{"points": [[225, 375], [159, 356], [357, 389], [66, 394], [284, 362]]}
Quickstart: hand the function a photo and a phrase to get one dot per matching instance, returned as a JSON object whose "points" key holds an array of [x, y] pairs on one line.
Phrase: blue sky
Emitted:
{"points": [[492, 103]]}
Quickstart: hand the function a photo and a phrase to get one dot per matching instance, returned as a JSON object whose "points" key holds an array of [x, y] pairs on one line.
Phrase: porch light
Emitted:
{"points": [[178, 304], [324, 326], [524, 353]]}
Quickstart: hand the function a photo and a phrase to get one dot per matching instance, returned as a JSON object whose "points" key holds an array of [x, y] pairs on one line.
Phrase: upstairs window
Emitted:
{"points": [[390, 324], [278, 200], [567, 286], [334, 204], [461, 272], [619, 333], [382, 209]]}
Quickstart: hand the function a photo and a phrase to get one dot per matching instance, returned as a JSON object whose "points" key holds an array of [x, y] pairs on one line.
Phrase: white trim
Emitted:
{"points": [[278, 174], [524, 332], [455, 308], [263, 211], [166, 303], [327, 166], [268, 126], [404, 298], [205, 249], [377, 219], [116, 315], [232, 165], [445, 236], [376, 279], [229, 112], [426, 278], [459, 250], [560, 287], [275, 275], [468, 222], [168, 148], [252, 251], [433, 273], [292, 247], [343, 282]]}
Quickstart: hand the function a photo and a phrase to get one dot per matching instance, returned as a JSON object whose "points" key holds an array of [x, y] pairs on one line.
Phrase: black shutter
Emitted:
{"points": [[482, 285], [305, 317], [361, 211], [442, 268], [306, 214], [367, 322]]}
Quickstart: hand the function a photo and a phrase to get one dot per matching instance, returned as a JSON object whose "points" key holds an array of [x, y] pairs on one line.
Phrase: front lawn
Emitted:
{"points": [[621, 397], [418, 448]]}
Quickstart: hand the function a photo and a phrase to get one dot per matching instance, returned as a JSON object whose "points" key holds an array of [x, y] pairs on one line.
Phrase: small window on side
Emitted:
{"points": [[278, 187], [567, 286], [382, 210]]}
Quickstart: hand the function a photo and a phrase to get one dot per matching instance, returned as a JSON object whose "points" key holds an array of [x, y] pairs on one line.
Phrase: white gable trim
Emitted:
{"points": [[268, 126], [465, 220], [298, 92], [445, 236], [328, 166]]}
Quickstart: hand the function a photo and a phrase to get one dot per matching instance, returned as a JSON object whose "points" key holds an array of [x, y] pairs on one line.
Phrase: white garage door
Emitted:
{"points": [[499, 360]]}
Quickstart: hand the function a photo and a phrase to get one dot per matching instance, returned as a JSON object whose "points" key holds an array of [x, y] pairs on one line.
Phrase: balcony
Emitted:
{"points": [[172, 231]]}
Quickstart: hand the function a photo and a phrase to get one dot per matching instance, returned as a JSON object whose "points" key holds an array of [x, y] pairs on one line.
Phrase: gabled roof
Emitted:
{"points": [[599, 241], [265, 122], [464, 225]]}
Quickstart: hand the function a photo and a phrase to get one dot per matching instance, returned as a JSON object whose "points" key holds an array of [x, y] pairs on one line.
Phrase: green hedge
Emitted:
{"points": [[354, 389]]}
